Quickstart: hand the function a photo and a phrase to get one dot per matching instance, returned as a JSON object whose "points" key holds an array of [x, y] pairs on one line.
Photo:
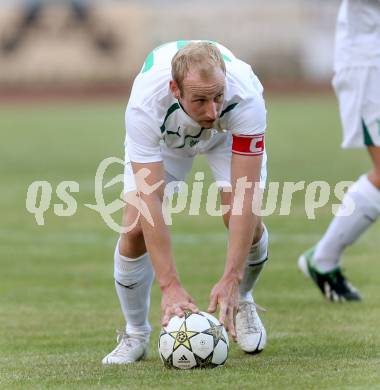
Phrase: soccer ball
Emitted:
{"points": [[196, 340]]}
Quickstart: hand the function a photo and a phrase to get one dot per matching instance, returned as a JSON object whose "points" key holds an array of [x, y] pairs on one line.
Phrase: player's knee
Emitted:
{"points": [[135, 234], [132, 243]]}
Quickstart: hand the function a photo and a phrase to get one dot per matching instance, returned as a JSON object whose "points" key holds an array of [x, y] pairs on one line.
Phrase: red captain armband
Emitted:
{"points": [[248, 145]]}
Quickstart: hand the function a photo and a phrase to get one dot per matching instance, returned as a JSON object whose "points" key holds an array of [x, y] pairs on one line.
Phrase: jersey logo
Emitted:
{"points": [[193, 142], [248, 145]]}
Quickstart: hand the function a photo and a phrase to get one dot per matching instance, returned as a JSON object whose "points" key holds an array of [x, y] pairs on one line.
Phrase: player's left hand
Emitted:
{"points": [[226, 294]]}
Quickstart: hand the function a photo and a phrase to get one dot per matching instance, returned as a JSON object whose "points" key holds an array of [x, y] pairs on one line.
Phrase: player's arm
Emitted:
{"points": [[247, 123], [243, 221], [157, 239], [242, 225]]}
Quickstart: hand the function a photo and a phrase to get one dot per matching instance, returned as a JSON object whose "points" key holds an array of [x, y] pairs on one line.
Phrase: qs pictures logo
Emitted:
{"points": [[39, 197], [278, 197]]}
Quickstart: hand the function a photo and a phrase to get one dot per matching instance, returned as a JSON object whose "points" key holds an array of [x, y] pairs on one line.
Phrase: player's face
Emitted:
{"points": [[201, 98]]}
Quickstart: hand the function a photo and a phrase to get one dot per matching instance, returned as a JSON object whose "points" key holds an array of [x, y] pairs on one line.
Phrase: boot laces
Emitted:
{"points": [[125, 341], [249, 316]]}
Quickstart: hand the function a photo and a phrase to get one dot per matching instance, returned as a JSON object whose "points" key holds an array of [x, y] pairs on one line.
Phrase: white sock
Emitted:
{"points": [[344, 230], [257, 257], [133, 281]]}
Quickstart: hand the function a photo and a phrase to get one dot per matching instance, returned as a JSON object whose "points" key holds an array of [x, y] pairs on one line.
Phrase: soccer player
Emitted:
{"points": [[357, 86], [191, 97]]}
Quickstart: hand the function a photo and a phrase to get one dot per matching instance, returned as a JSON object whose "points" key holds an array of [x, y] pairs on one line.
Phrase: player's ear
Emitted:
{"points": [[173, 85]]}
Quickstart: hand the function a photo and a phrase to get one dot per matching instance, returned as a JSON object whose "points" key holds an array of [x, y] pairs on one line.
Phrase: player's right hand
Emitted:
{"points": [[225, 294], [175, 301]]}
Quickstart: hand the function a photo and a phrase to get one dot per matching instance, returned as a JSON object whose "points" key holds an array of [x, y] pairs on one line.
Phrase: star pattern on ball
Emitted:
{"points": [[188, 314], [182, 337], [216, 331]]}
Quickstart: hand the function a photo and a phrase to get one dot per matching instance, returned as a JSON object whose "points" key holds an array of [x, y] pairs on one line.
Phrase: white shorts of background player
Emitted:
{"points": [[358, 92]]}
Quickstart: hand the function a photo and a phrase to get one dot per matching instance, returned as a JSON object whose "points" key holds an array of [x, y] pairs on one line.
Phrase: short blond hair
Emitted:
{"points": [[204, 56]]}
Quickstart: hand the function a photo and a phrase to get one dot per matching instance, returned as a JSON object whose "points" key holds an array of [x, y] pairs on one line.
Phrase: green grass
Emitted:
{"points": [[58, 309]]}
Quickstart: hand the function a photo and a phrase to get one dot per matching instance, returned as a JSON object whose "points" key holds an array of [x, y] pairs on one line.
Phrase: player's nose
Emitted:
{"points": [[212, 111]]}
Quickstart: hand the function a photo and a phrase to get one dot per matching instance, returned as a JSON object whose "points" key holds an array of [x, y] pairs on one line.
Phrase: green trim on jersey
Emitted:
{"points": [[171, 109], [181, 44], [228, 109], [226, 58], [189, 136], [367, 136], [378, 125], [148, 62]]}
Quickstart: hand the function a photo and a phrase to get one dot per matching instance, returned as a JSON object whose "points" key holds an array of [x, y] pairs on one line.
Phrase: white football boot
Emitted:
{"points": [[130, 348], [250, 331]]}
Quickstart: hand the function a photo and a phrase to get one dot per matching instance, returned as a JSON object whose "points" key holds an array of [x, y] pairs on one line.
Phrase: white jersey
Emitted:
{"points": [[357, 41], [155, 119]]}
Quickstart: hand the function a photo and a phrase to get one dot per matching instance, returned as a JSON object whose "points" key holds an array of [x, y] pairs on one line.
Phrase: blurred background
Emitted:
{"points": [[66, 69], [101, 45]]}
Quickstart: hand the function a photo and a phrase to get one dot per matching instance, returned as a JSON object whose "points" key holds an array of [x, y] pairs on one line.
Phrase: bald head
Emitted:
{"points": [[197, 59]]}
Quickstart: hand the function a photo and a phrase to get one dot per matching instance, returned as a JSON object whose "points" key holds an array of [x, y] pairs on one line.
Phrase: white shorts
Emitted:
{"points": [[358, 92], [178, 162]]}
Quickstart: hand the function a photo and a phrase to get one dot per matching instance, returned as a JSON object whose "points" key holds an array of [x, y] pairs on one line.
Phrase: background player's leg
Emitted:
{"points": [[323, 263], [345, 230], [359, 104]]}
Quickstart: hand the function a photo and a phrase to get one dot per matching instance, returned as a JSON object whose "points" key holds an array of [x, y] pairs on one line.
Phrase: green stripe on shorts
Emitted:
{"points": [[367, 136]]}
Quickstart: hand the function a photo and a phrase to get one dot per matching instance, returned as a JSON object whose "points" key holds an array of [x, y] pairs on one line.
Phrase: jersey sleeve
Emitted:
{"points": [[249, 117], [142, 141]]}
